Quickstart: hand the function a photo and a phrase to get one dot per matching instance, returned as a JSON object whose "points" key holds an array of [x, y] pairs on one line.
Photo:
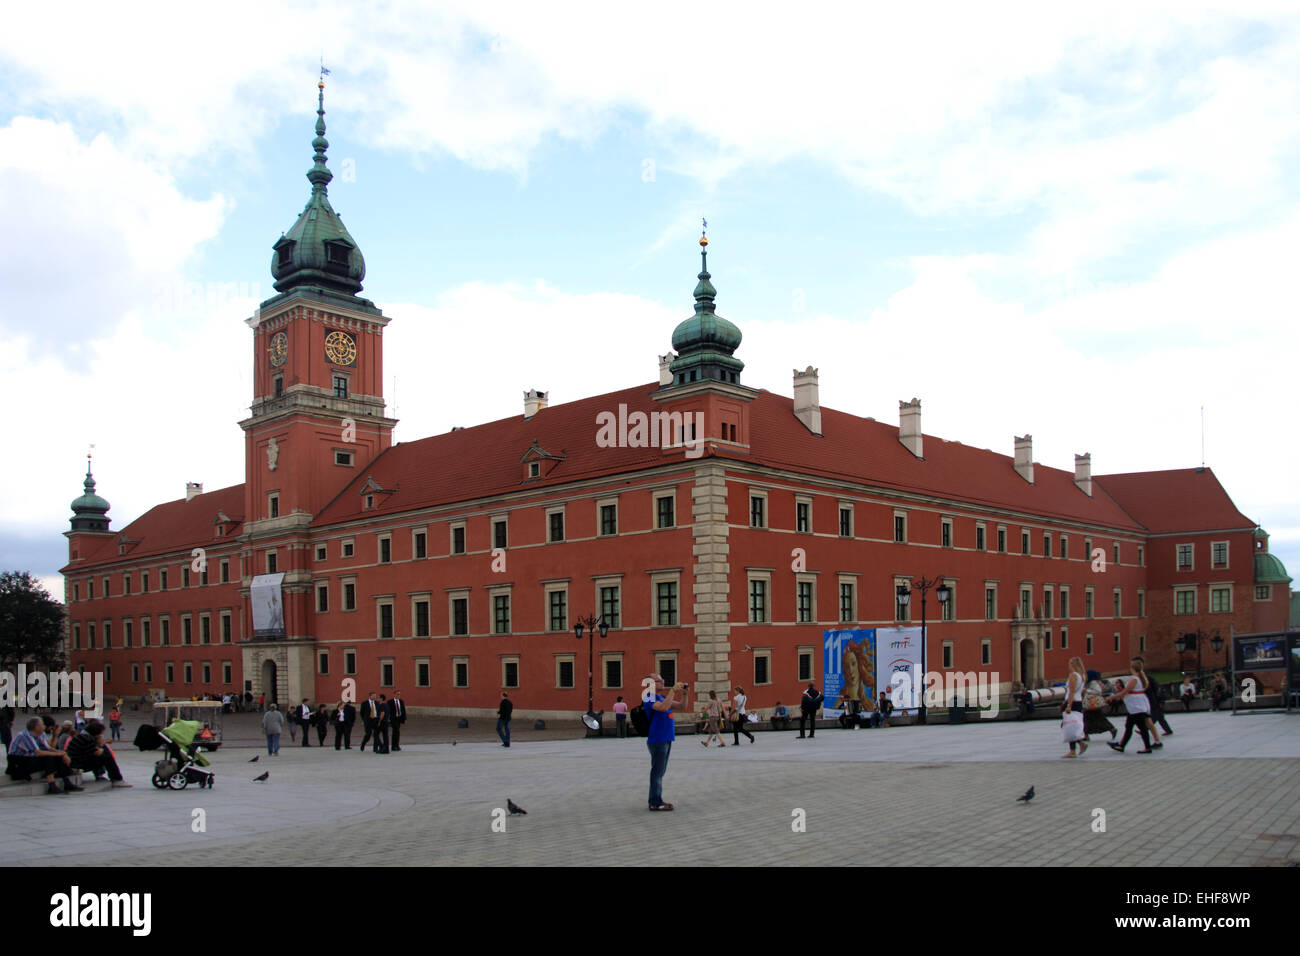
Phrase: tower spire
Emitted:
{"points": [[706, 342], [319, 175], [704, 291]]}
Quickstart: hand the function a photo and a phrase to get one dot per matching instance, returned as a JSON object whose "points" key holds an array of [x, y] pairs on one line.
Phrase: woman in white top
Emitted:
{"points": [[1134, 695], [1073, 702], [739, 718]]}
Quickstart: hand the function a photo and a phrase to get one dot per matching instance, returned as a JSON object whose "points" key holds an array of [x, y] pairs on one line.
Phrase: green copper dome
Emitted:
{"points": [[1270, 570], [89, 512], [705, 342], [318, 252]]}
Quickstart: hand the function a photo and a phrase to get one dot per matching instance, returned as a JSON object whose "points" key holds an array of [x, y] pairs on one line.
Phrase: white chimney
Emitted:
{"points": [[193, 489], [1025, 458], [665, 373], [534, 402], [909, 426], [807, 405], [1083, 473]]}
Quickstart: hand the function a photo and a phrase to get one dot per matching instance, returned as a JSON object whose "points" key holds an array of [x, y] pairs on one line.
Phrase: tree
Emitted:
{"points": [[31, 622]]}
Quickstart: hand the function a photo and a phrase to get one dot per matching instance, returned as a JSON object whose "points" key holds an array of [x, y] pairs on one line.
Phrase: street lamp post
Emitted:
{"points": [[904, 593], [591, 624]]}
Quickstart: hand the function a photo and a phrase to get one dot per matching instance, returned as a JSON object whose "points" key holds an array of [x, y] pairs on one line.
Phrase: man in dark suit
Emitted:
{"points": [[809, 704], [397, 717], [343, 717], [303, 719], [381, 729], [370, 720]]}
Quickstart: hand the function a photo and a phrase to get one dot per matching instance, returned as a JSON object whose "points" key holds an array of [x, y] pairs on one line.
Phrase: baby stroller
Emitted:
{"points": [[185, 761]]}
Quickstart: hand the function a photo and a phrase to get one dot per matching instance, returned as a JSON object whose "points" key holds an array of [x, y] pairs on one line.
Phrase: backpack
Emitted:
{"points": [[640, 720]]}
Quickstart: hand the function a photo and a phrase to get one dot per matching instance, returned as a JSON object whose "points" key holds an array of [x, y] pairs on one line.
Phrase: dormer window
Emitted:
{"points": [[534, 469], [338, 256], [285, 250]]}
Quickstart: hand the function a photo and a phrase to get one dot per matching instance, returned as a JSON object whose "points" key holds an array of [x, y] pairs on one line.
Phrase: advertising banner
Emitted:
{"points": [[268, 605], [849, 668], [899, 669], [1260, 653]]}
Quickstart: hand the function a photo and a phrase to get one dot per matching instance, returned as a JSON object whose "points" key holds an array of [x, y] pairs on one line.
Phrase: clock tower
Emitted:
{"points": [[318, 411]]}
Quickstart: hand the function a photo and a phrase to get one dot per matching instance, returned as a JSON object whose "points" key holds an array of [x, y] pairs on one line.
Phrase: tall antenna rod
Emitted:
{"points": [[1202, 438]]}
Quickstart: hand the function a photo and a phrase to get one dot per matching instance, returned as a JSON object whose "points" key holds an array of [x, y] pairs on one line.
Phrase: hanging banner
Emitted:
{"points": [[849, 669], [899, 669], [268, 605]]}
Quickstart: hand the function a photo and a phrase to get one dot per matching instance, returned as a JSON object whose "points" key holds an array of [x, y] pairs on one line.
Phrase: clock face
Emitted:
{"points": [[278, 349], [340, 348]]}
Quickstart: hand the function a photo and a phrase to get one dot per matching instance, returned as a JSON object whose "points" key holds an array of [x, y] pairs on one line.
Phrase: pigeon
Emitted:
{"points": [[1026, 796], [515, 810], [262, 778], [255, 757]]}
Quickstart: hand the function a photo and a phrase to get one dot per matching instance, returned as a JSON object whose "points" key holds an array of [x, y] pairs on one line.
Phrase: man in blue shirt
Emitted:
{"points": [[663, 731], [30, 753]]}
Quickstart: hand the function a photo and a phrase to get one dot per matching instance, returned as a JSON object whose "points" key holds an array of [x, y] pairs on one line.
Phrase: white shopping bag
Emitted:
{"points": [[1072, 727]]}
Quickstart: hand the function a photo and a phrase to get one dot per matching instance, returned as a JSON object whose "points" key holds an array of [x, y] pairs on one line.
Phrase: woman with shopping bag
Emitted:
{"points": [[1072, 709]]}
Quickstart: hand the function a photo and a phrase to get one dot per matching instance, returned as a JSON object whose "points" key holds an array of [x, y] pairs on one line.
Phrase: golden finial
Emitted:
{"points": [[704, 239]]}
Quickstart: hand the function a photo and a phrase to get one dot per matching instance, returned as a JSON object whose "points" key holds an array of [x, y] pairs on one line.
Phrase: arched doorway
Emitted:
{"points": [[1028, 662], [269, 682]]}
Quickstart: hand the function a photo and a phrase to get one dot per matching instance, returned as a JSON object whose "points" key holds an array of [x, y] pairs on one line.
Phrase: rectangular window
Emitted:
{"points": [[900, 527], [108, 592], [1047, 544], [187, 630], [986, 652], [609, 604], [144, 582], [385, 549], [225, 672], [558, 607], [207, 673], [556, 522], [1026, 604], [1024, 543], [144, 632], [343, 458], [1065, 546], [1263, 592], [421, 673], [667, 668], [846, 601], [148, 673], [349, 661], [1142, 556], [945, 532], [1002, 540], [613, 672], [205, 629], [1065, 603], [347, 548], [757, 601], [664, 511], [1142, 603], [108, 634], [76, 636], [499, 533], [1087, 603], [126, 584], [385, 620], [126, 633], [762, 667], [349, 596], [460, 672], [1184, 557], [188, 671], [460, 616], [501, 614], [1219, 554], [1047, 604], [666, 603], [1117, 601], [458, 539], [757, 504], [323, 662], [225, 627], [185, 579], [1185, 601], [805, 601], [846, 522], [135, 673], [340, 386], [90, 636], [422, 618], [1116, 553], [1047, 640], [272, 564], [609, 519], [947, 654], [805, 665], [980, 531], [273, 506], [165, 631], [225, 570], [420, 546], [902, 611], [564, 673], [386, 673], [802, 517], [1065, 638], [510, 673], [948, 608], [1117, 641], [990, 604], [1220, 600], [322, 598], [76, 591]]}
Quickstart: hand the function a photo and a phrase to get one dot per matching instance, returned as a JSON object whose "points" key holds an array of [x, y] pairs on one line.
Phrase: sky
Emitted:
{"points": [[1080, 224]]}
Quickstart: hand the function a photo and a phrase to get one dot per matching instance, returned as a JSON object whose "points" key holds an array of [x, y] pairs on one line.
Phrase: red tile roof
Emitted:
{"points": [[173, 526], [1185, 499], [485, 460]]}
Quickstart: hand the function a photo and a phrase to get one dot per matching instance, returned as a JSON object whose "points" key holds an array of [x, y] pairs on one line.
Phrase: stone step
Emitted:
{"points": [[36, 788]]}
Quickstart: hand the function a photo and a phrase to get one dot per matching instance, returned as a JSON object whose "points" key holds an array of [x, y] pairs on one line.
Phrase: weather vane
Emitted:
{"points": [[323, 71], [704, 233]]}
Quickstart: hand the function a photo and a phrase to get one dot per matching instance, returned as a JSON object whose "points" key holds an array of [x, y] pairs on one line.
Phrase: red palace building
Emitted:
{"points": [[718, 530]]}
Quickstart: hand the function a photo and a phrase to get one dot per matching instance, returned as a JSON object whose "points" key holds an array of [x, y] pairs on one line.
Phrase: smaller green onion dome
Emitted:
{"points": [[1270, 570], [706, 342], [90, 512]]}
